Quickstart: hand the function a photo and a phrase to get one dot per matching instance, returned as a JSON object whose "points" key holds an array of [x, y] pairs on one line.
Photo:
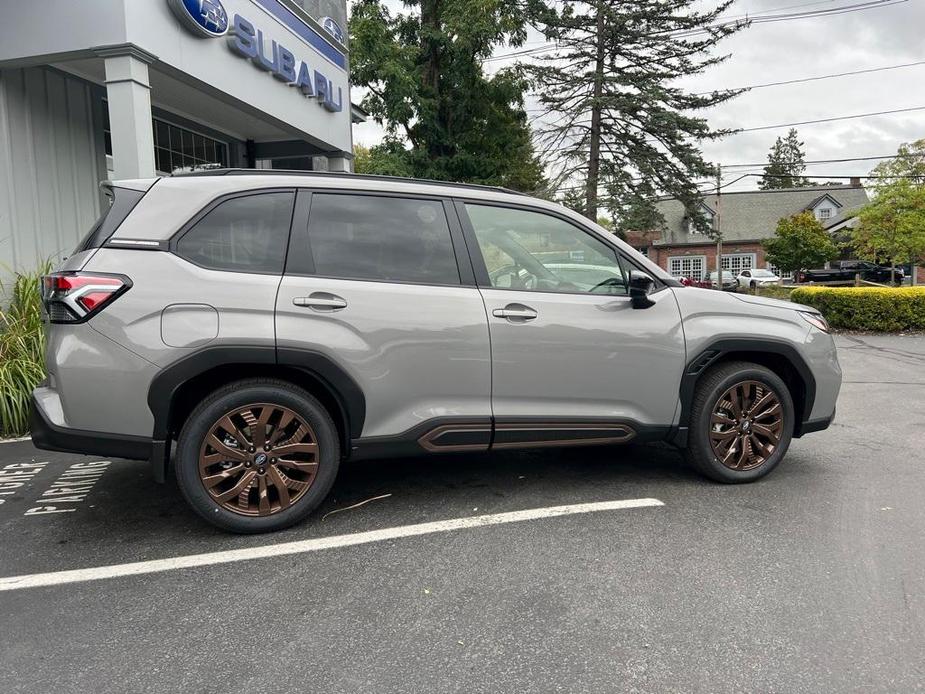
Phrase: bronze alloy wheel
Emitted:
{"points": [[258, 459], [746, 425]]}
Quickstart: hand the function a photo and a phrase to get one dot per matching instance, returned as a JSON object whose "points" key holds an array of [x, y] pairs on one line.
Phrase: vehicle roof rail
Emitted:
{"points": [[336, 174]]}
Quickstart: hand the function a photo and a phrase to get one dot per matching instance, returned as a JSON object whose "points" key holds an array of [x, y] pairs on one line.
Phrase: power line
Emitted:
{"points": [[757, 18], [770, 19], [871, 178], [829, 120], [816, 161], [820, 77]]}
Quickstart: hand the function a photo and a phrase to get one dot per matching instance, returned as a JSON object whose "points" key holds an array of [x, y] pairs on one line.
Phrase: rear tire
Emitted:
{"points": [[257, 455], [741, 423]]}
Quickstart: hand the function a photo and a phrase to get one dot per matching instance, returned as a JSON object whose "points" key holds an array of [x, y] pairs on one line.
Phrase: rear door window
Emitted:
{"points": [[390, 239], [248, 233]]}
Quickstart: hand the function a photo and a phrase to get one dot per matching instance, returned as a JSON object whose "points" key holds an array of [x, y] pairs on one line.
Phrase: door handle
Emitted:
{"points": [[320, 301], [517, 313]]}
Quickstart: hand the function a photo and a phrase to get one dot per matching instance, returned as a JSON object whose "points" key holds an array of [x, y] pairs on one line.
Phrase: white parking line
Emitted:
{"points": [[55, 578]]}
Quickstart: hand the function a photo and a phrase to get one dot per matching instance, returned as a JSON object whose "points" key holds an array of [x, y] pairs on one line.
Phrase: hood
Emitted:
{"points": [[773, 303]]}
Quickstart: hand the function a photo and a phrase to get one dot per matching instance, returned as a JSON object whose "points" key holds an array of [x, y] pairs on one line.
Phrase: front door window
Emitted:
{"points": [[537, 252]]}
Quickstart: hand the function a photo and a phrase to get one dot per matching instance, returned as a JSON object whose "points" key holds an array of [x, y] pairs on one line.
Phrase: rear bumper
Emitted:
{"points": [[50, 437]]}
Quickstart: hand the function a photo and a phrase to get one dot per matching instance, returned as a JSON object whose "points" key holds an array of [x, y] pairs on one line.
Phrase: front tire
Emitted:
{"points": [[741, 424], [257, 455]]}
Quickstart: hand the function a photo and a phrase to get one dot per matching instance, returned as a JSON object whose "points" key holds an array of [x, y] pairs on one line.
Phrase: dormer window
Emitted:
{"points": [[692, 229], [824, 207]]}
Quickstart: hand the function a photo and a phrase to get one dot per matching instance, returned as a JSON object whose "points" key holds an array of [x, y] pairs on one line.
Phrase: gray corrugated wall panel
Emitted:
{"points": [[49, 165]]}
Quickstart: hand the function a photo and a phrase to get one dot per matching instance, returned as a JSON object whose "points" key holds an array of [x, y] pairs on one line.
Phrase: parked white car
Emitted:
{"points": [[757, 278]]}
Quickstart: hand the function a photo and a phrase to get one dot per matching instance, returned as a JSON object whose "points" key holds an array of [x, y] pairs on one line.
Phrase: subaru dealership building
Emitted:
{"points": [[115, 89]]}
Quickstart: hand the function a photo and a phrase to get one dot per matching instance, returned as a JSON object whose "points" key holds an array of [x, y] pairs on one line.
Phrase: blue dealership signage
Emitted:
{"points": [[333, 28], [247, 41], [205, 18], [208, 19]]}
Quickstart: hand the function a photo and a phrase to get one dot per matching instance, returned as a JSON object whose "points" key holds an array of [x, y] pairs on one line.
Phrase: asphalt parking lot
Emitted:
{"points": [[812, 580]]}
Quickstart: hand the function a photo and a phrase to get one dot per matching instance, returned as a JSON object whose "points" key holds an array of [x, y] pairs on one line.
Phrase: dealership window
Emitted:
{"points": [[693, 266], [777, 271], [175, 147], [737, 262]]}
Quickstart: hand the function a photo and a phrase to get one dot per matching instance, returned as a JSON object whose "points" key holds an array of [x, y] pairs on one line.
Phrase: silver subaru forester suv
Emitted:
{"points": [[259, 328]]}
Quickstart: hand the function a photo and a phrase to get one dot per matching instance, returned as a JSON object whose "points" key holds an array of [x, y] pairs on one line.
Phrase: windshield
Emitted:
{"points": [[762, 273]]}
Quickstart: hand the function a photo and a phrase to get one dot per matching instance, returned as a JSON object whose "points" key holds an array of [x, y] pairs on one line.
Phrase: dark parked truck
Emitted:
{"points": [[846, 270]]}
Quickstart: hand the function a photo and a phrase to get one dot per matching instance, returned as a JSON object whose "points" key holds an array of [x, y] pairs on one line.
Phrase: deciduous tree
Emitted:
{"points": [[892, 227], [800, 243], [424, 79]]}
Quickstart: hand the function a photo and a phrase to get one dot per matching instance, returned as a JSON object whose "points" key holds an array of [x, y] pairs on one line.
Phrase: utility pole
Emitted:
{"points": [[718, 230]]}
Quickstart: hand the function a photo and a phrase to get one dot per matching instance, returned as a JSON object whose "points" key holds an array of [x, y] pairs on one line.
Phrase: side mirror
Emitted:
{"points": [[640, 286]]}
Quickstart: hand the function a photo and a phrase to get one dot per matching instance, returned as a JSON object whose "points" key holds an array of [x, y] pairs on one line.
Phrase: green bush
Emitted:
{"points": [[772, 292], [22, 350], [867, 308]]}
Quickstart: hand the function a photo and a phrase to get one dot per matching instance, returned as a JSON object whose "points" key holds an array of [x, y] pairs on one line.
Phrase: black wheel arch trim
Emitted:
{"points": [[717, 349], [340, 385]]}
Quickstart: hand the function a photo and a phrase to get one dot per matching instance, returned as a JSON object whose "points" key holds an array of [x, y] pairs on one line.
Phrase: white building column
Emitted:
{"points": [[340, 164], [128, 93]]}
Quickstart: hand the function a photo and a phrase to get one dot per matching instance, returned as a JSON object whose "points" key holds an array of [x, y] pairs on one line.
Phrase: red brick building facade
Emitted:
{"points": [[746, 218]]}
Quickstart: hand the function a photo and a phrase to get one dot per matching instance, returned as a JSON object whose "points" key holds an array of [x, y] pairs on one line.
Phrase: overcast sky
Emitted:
{"points": [[873, 38]]}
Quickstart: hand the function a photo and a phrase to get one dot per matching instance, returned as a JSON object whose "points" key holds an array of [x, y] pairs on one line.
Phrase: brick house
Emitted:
{"points": [[747, 218]]}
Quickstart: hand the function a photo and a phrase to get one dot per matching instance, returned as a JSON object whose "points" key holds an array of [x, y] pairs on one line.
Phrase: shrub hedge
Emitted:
{"points": [[22, 350], [879, 309]]}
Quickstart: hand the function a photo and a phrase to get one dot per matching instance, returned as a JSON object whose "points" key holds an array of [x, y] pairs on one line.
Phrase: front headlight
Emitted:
{"points": [[816, 320]]}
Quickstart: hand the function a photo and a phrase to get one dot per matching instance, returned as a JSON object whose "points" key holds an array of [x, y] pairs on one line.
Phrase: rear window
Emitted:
{"points": [[121, 202], [243, 234]]}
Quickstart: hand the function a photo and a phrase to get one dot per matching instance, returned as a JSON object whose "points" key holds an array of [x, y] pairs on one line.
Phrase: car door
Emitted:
{"points": [[373, 285], [571, 359]]}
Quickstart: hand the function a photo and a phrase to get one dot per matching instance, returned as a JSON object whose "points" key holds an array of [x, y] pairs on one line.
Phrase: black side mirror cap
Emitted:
{"points": [[640, 286]]}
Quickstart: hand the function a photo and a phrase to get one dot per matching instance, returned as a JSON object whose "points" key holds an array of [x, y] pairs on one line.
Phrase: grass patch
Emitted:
{"points": [[22, 350]]}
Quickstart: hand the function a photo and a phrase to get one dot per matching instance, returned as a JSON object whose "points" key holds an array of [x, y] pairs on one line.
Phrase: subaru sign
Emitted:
{"points": [[247, 41], [333, 28], [205, 18]]}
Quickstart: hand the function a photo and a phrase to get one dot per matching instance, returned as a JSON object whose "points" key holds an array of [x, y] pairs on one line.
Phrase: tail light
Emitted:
{"points": [[73, 297]]}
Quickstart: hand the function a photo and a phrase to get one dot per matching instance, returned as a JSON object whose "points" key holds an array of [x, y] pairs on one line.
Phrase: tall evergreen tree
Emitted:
{"points": [[786, 164], [614, 112], [424, 79]]}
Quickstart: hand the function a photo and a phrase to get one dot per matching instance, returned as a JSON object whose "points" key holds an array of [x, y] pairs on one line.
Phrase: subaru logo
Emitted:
{"points": [[205, 18], [333, 28]]}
